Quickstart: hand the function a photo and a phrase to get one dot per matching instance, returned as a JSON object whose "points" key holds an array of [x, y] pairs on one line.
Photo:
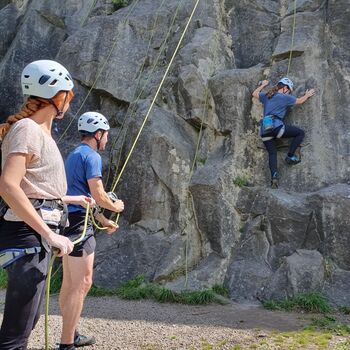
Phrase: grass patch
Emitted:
{"points": [[329, 324], [3, 279], [310, 302], [221, 290], [138, 288], [344, 310], [305, 339], [201, 161], [118, 4], [240, 181]]}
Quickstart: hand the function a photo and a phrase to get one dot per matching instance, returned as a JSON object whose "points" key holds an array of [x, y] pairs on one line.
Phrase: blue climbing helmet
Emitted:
{"points": [[288, 82]]}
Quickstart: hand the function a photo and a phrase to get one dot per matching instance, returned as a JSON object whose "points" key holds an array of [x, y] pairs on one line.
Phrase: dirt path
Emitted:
{"points": [[145, 325]]}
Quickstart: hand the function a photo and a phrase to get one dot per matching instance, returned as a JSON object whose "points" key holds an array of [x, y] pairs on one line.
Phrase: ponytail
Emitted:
{"points": [[33, 105], [272, 91]]}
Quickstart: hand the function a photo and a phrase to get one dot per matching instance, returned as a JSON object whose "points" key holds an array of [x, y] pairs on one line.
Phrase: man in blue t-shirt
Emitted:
{"points": [[276, 102], [84, 176]]}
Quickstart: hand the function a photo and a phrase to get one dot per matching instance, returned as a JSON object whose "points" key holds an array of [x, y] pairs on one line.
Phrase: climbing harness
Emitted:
{"points": [[268, 125], [9, 256]]}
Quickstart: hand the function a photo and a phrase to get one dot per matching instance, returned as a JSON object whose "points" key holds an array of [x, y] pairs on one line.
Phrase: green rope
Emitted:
{"points": [[133, 108], [293, 35], [49, 273], [156, 95]]}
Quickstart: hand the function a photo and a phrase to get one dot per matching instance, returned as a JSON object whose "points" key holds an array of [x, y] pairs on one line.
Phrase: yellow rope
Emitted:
{"points": [[156, 95], [293, 35], [134, 102], [48, 278]]}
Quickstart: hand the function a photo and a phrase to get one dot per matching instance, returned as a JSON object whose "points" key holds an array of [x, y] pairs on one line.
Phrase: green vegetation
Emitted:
{"points": [[221, 290], [138, 288], [240, 181], [3, 279], [117, 4], [310, 302], [344, 310], [201, 161], [329, 324]]}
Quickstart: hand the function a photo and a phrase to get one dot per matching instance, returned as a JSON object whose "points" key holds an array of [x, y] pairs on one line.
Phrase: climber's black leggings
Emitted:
{"points": [[290, 131]]}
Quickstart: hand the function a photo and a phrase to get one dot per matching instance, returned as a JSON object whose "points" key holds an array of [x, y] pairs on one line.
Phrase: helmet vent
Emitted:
{"points": [[53, 82], [26, 76], [43, 79]]}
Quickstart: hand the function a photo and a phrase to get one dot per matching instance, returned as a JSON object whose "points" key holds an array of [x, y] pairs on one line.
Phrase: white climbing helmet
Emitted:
{"points": [[45, 78], [90, 122], [288, 82]]}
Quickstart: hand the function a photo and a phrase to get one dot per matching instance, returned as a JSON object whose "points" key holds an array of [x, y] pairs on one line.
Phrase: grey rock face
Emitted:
{"points": [[198, 210]]}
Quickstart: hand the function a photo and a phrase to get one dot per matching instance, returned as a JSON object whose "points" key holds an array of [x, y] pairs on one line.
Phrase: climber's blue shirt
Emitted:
{"points": [[278, 104], [82, 164]]}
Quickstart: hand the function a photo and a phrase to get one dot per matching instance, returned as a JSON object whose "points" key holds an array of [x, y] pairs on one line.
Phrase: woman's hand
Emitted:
{"points": [[309, 93], [62, 243], [259, 88]]}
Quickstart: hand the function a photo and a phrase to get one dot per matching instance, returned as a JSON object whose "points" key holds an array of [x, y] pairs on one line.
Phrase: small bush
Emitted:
{"points": [[117, 4], [345, 310], [240, 181], [311, 302], [221, 290], [330, 324], [138, 288]]}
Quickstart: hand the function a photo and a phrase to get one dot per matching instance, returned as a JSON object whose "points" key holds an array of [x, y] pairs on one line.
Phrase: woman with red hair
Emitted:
{"points": [[32, 187]]}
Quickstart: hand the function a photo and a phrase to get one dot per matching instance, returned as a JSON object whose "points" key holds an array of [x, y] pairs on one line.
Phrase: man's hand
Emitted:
{"points": [[264, 83], [118, 206], [111, 225]]}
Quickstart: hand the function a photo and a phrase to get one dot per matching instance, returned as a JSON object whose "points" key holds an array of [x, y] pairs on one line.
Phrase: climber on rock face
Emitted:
{"points": [[276, 102]]}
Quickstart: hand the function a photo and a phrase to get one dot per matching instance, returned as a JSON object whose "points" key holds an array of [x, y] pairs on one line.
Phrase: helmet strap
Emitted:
{"points": [[98, 141], [59, 112]]}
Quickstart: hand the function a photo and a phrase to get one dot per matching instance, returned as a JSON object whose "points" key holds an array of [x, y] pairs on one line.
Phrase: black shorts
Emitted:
{"points": [[74, 231]]}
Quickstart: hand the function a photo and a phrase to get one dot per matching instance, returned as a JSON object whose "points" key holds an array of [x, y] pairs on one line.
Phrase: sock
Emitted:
{"points": [[67, 347]]}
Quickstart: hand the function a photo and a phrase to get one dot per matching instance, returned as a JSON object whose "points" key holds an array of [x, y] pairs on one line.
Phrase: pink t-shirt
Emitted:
{"points": [[45, 177]]}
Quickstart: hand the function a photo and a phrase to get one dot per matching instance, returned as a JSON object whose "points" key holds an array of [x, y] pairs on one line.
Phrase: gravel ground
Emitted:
{"points": [[145, 325]]}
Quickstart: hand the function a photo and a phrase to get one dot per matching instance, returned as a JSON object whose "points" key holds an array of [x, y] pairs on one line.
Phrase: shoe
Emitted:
{"points": [[83, 340], [274, 180], [293, 160], [59, 347]]}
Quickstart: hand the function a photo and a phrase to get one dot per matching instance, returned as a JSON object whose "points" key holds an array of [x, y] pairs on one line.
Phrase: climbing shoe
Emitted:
{"points": [[274, 180], [65, 347], [292, 160], [83, 340]]}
